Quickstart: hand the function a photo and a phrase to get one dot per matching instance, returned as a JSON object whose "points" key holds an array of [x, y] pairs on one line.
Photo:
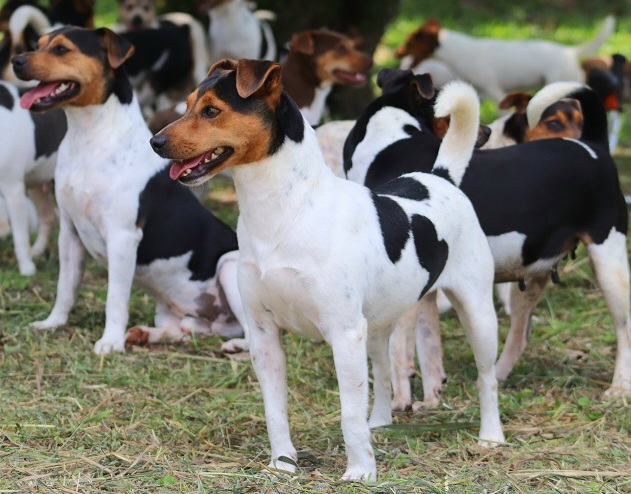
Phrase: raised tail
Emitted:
{"points": [[592, 46], [271, 53], [460, 102], [27, 15], [594, 115]]}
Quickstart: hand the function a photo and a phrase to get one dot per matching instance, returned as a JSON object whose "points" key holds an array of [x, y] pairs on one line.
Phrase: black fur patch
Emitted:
{"points": [[432, 253], [405, 187], [442, 173], [395, 226], [50, 129], [6, 98], [174, 222]]}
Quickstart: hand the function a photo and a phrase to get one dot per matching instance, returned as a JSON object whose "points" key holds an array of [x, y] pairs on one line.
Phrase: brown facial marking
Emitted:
{"points": [[562, 119], [421, 43], [247, 134], [74, 65]]}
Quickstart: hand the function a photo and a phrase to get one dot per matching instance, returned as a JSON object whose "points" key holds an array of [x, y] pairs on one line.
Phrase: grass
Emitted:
{"points": [[185, 419]]}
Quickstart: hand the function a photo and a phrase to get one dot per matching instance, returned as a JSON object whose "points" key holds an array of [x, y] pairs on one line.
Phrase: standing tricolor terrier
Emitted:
{"points": [[117, 203], [331, 259]]}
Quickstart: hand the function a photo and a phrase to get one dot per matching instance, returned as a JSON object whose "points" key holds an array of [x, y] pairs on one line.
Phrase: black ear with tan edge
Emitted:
{"points": [[258, 75], [225, 64], [302, 43], [118, 48], [424, 85]]}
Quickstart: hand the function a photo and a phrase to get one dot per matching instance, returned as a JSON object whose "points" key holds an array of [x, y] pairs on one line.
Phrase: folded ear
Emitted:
{"points": [[224, 64], [259, 76], [424, 85], [517, 99], [118, 48], [302, 42]]}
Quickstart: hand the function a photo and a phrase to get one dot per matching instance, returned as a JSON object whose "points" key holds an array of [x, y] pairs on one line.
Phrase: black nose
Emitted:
{"points": [[136, 21], [19, 61], [158, 142]]}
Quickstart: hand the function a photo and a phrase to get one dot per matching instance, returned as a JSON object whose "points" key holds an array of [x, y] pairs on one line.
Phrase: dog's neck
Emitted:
{"points": [[228, 10], [305, 87], [111, 117], [282, 185]]}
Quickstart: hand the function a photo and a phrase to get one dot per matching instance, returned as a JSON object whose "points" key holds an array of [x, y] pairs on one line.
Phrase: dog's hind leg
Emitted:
{"points": [[522, 304], [167, 329], [228, 281], [15, 198], [611, 266], [42, 197], [429, 348], [474, 306], [402, 366], [378, 351]]}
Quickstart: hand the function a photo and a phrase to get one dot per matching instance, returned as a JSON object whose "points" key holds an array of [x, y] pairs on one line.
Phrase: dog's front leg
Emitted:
{"points": [[349, 346], [121, 265], [71, 266]]}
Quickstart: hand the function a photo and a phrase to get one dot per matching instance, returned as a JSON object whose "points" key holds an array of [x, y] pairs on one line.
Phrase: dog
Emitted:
{"points": [[496, 66], [573, 183], [441, 72], [23, 22], [236, 32], [298, 273], [317, 60], [29, 142], [117, 202], [562, 119]]}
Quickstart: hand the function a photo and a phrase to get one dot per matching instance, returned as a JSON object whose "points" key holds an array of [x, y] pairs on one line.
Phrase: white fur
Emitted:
{"points": [[496, 66], [105, 163], [498, 139], [313, 113], [441, 72], [235, 33], [333, 280], [547, 96], [331, 138], [19, 170]]}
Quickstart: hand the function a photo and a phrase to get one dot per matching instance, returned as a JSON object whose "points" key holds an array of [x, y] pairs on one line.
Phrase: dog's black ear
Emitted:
{"points": [[302, 42], [254, 76], [387, 79], [424, 85], [224, 64], [118, 48]]}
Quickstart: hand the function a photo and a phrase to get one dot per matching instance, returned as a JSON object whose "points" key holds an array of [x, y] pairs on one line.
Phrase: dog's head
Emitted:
{"points": [[136, 14], [238, 115], [333, 56], [75, 67], [416, 95], [561, 119], [421, 43]]}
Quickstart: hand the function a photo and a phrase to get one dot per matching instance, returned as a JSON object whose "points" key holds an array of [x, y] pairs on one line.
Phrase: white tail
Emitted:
{"points": [[592, 46], [24, 16], [459, 101]]}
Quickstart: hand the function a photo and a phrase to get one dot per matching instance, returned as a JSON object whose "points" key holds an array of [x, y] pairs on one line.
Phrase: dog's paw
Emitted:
{"points": [[236, 345], [493, 442], [285, 466], [618, 391], [401, 405], [366, 474], [432, 402], [109, 345], [136, 336], [48, 324], [27, 268]]}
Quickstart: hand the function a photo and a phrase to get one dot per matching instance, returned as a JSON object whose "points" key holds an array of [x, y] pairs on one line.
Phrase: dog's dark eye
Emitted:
{"points": [[60, 50], [210, 112], [554, 125]]}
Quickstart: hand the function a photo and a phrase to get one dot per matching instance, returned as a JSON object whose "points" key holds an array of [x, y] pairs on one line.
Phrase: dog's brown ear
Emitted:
{"points": [[224, 64], [431, 26], [302, 42], [517, 99], [424, 85], [118, 48], [259, 75]]}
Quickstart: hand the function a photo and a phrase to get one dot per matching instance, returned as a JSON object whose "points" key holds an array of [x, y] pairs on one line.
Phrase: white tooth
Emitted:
{"points": [[214, 156], [218, 151], [187, 172], [206, 160]]}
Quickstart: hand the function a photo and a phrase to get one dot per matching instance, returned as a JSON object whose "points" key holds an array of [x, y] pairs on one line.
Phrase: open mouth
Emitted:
{"points": [[188, 171], [48, 94], [353, 78]]}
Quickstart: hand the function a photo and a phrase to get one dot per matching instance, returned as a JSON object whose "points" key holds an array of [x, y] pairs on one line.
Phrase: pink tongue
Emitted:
{"points": [[44, 89], [178, 168]]}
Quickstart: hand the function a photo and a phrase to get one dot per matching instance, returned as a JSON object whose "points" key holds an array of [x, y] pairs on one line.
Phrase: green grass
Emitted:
{"points": [[185, 419]]}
